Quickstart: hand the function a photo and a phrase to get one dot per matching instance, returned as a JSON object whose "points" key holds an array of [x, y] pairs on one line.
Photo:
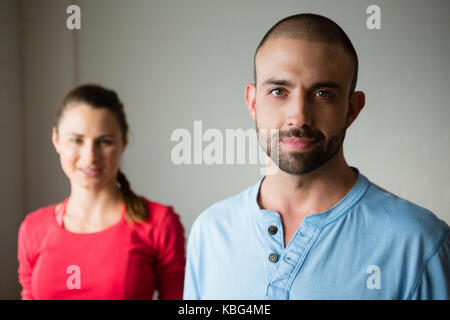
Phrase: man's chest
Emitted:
{"points": [[315, 265]]}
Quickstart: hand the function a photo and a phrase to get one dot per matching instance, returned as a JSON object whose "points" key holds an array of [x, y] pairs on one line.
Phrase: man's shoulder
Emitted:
{"points": [[230, 209], [400, 215]]}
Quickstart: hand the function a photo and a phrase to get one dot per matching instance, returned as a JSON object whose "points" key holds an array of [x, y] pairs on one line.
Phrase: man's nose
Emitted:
{"points": [[299, 111]]}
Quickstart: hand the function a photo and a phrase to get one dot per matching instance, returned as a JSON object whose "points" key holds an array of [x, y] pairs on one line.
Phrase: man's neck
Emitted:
{"points": [[314, 192]]}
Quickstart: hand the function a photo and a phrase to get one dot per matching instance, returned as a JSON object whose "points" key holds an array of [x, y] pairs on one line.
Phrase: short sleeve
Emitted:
{"points": [[25, 258], [171, 257], [434, 282]]}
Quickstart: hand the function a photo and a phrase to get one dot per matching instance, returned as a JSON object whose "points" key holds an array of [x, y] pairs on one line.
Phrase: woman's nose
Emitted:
{"points": [[90, 152]]}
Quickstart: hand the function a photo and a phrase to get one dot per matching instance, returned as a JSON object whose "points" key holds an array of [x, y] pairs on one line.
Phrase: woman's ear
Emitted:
{"points": [[125, 142], [55, 139]]}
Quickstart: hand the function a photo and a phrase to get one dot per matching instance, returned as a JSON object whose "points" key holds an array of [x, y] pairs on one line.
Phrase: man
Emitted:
{"points": [[317, 228]]}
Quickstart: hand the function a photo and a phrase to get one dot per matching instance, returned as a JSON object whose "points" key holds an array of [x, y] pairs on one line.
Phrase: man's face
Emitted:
{"points": [[302, 89]]}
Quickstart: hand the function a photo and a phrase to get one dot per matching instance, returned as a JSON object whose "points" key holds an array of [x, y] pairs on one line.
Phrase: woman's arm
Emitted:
{"points": [[171, 258], [25, 262]]}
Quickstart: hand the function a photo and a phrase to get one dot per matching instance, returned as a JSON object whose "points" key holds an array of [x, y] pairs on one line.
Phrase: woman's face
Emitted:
{"points": [[90, 144]]}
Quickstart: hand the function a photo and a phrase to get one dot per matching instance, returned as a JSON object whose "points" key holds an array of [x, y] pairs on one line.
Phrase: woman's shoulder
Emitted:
{"points": [[158, 212], [37, 222], [41, 214]]}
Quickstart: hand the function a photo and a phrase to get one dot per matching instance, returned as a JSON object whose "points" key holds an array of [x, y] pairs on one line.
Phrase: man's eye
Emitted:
{"points": [[278, 92], [323, 94], [106, 142], [77, 140]]}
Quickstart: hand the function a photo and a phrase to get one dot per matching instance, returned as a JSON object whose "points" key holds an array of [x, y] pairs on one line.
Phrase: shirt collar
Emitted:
{"points": [[319, 219]]}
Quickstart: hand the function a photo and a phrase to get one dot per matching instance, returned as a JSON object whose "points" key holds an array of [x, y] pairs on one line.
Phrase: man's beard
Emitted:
{"points": [[302, 162]]}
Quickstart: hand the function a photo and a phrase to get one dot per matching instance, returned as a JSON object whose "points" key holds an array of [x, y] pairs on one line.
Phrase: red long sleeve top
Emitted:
{"points": [[124, 261]]}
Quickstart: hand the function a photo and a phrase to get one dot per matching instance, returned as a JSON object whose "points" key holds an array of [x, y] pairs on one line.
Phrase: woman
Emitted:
{"points": [[103, 242]]}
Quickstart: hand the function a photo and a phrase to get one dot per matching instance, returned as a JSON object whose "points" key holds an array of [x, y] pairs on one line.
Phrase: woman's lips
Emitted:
{"points": [[91, 172], [297, 144]]}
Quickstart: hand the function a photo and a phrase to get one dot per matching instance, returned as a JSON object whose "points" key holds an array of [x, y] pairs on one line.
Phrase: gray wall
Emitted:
{"points": [[11, 146], [173, 62]]}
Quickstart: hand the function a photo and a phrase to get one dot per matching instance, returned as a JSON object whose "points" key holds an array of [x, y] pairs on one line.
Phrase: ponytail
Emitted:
{"points": [[136, 210]]}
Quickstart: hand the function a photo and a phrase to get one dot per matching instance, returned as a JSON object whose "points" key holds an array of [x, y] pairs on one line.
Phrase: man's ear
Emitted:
{"points": [[250, 98], [55, 139], [356, 104]]}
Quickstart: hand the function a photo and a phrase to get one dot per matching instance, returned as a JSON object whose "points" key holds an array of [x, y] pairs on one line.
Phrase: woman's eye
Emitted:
{"points": [[278, 92]]}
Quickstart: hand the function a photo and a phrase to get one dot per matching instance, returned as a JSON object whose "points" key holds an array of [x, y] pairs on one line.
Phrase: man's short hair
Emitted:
{"points": [[311, 27]]}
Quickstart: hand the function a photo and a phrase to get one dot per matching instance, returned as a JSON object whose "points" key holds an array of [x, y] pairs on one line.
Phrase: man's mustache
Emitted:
{"points": [[306, 133]]}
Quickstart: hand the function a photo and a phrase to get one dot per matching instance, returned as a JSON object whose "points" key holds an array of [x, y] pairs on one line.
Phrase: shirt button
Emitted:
{"points": [[273, 257], [272, 230]]}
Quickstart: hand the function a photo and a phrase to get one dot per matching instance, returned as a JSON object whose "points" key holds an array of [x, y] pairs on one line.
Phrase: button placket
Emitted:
{"points": [[274, 236], [290, 262]]}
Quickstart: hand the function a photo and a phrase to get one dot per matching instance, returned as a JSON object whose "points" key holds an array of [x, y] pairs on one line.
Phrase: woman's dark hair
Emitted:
{"points": [[96, 96]]}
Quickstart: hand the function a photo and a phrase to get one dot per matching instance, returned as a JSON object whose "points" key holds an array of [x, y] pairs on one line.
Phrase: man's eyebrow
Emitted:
{"points": [[325, 84], [278, 82], [109, 135], [290, 84]]}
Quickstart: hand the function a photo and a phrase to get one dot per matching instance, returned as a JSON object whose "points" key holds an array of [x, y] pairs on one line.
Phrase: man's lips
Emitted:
{"points": [[297, 144]]}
